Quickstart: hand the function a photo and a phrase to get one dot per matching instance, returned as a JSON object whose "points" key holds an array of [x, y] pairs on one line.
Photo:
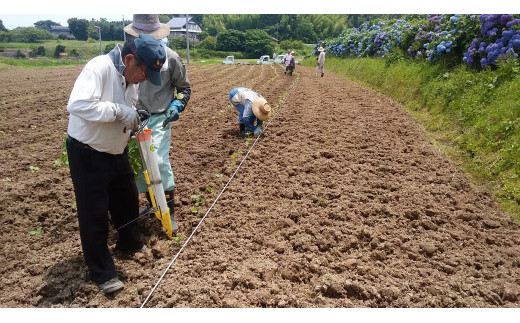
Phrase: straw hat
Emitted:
{"points": [[261, 109], [147, 24], [320, 49]]}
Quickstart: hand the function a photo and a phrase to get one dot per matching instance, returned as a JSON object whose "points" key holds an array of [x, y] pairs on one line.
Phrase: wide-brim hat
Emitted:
{"points": [[320, 49], [261, 109], [147, 24]]}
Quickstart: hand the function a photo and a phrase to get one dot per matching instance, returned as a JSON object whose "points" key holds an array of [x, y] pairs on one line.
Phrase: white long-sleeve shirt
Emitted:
{"points": [[321, 59], [92, 104]]}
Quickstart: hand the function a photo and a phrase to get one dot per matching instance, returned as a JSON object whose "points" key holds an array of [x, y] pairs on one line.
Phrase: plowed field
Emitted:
{"points": [[343, 202]]}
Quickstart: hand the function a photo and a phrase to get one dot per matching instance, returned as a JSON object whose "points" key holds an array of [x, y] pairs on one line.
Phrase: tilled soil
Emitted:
{"points": [[342, 202]]}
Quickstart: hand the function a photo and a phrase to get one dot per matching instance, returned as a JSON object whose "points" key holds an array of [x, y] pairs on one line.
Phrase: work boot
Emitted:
{"points": [[322, 74], [242, 128], [170, 201], [111, 285]]}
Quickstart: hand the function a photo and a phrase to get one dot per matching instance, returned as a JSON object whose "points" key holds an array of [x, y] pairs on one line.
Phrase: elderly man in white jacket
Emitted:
{"points": [[101, 117]]}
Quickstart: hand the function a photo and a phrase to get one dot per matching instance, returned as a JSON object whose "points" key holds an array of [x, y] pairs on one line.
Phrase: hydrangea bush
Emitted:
{"points": [[477, 40]]}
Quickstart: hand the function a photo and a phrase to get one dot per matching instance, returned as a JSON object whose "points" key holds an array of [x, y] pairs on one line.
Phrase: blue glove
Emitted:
{"points": [[258, 131], [173, 112]]}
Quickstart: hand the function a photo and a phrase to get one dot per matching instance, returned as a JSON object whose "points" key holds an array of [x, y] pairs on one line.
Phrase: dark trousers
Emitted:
{"points": [[102, 183]]}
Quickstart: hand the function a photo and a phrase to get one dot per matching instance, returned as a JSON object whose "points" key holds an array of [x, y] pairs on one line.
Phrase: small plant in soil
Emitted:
{"points": [[36, 232], [64, 158], [199, 201], [178, 239], [133, 157], [219, 175], [34, 169]]}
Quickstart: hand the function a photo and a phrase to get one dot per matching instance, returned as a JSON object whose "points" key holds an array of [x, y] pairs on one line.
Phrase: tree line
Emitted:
{"points": [[307, 28]]}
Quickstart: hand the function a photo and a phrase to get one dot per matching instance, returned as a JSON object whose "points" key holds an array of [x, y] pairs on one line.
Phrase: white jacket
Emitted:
{"points": [[92, 102], [321, 59], [244, 94]]}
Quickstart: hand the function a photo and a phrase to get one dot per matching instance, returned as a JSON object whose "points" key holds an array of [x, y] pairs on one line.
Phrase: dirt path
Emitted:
{"points": [[342, 203]]}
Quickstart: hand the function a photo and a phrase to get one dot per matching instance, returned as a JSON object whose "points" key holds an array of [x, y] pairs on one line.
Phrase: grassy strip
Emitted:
{"points": [[39, 63], [473, 117]]}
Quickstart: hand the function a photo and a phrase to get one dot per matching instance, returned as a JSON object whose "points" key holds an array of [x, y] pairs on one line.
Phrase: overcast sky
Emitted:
{"points": [[15, 15]]}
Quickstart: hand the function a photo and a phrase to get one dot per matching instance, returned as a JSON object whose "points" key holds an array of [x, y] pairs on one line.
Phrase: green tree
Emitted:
{"points": [[29, 35], [231, 40], [202, 35], [45, 24], [4, 36], [58, 50], [208, 43], [19, 54], [258, 43], [304, 30], [78, 28], [2, 27], [164, 18], [177, 42], [40, 51]]}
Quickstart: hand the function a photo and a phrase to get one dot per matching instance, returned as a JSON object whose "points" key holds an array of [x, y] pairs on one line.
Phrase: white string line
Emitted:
{"points": [[216, 199]]}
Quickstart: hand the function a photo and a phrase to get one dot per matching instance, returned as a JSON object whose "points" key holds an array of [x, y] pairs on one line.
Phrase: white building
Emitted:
{"points": [[178, 27]]}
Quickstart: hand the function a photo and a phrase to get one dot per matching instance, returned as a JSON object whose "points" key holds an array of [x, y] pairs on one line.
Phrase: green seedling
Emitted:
{"points": [[36, 232], [34, 169], [64, 158], [209, 189], [219, 175], [177, 240], [6, 179], [194, 210], [134, 157], [199, 199]]}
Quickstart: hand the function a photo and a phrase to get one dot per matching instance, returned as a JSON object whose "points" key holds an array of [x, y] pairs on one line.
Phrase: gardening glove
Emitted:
{"points": [[258, 131], [128, 116], [173, 112]]}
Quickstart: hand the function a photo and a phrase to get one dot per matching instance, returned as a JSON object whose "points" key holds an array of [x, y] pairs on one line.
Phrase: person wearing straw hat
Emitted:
{"points": [[101, 116], [289, 64], [251, 107], [320, 61], [164, 103]]}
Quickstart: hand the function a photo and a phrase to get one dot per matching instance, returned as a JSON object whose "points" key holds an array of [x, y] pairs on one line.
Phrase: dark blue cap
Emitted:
{"points": [[153, 54]]}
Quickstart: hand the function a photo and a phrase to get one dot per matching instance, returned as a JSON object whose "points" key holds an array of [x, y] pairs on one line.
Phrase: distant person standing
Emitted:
{"points": [[289, 64], [320, 62], [286, 59]]}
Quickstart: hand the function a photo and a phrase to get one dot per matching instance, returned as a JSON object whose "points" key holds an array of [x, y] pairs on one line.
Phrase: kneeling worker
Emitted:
{"points": [[251, 107]]}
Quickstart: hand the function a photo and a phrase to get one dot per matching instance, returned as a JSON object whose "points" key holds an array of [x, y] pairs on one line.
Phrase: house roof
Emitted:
{"points": [[180, 22], [59, 28]]}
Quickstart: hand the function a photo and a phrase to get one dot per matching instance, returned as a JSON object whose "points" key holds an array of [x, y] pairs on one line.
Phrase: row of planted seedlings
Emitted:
{"points": [[200, 200]]}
